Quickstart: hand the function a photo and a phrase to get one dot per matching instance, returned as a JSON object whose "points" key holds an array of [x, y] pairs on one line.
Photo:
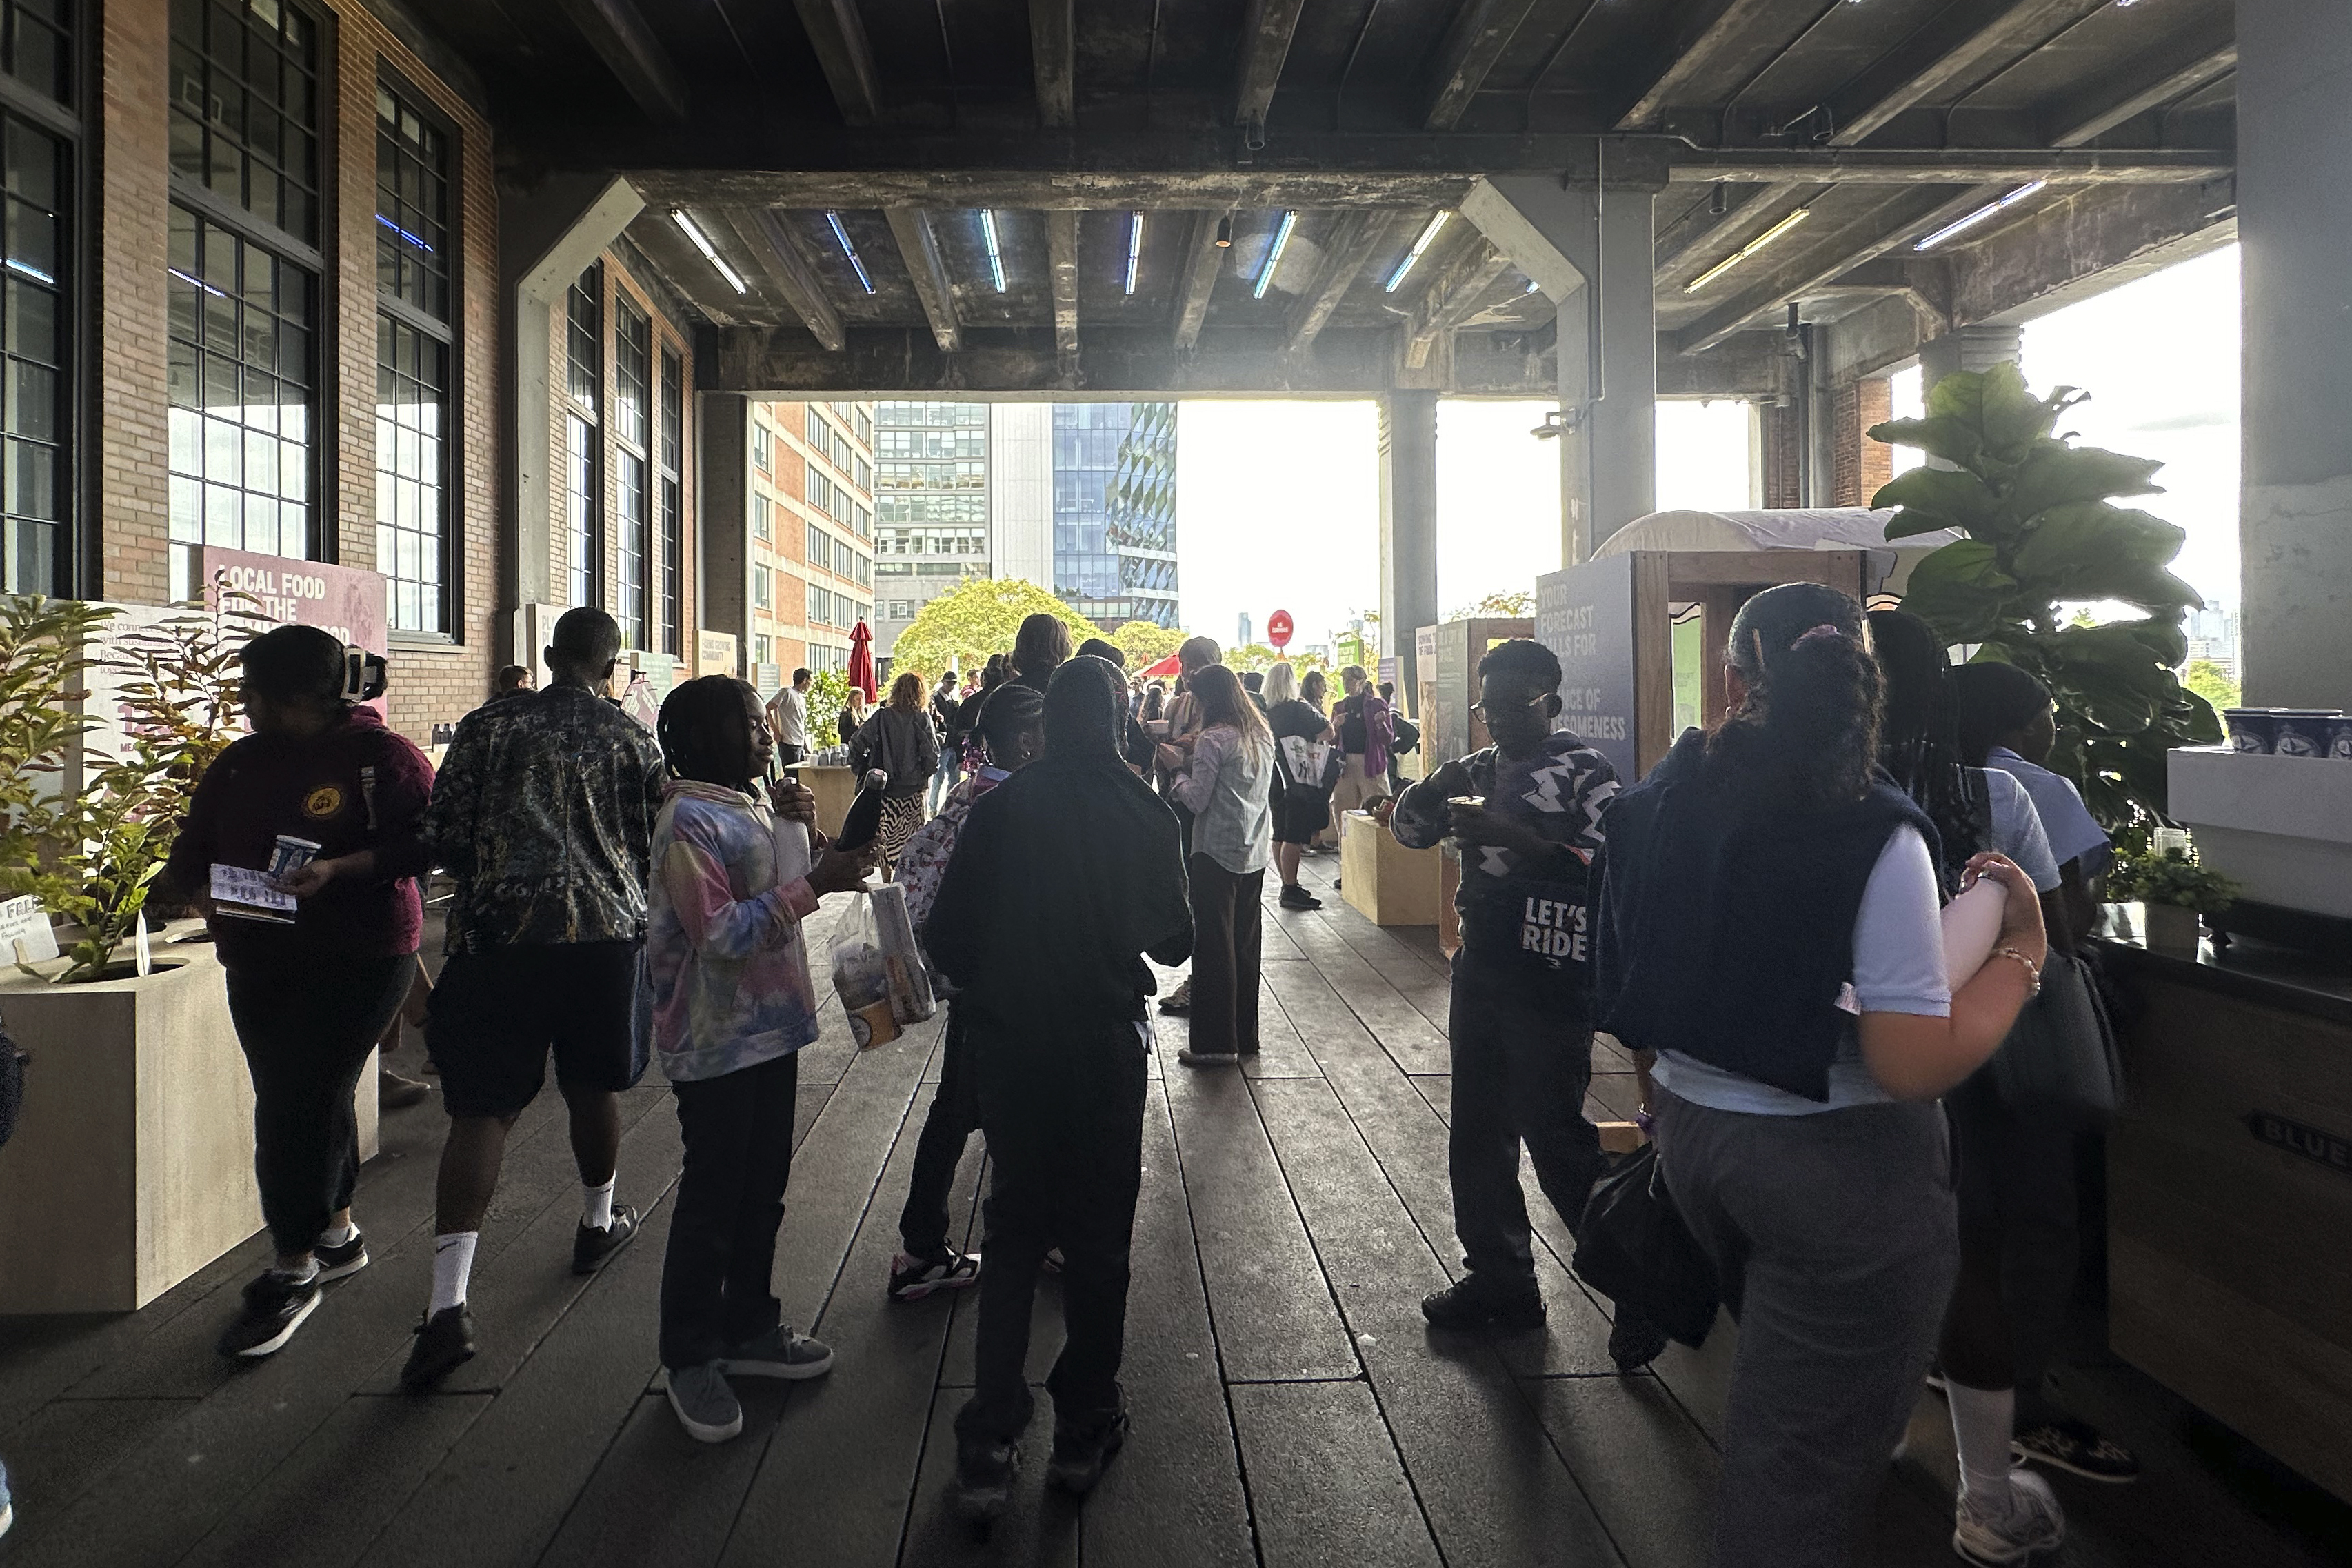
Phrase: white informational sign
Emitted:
{"points": [[248, 895], [24, 933]]}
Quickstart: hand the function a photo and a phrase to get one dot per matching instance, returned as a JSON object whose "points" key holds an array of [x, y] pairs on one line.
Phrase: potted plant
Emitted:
{"points": [[2175, 893], [2041, 530], [132, 1167]]}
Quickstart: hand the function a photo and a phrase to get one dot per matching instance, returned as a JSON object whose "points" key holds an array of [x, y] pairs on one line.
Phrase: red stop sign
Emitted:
{"points": [[1278, 629]]}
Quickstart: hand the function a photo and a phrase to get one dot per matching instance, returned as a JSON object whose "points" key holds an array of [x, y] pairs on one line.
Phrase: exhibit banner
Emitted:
{"points": [[1585, 616]]}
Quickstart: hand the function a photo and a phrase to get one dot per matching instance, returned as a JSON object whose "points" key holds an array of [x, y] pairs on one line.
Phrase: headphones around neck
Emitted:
{"points": [[364, 677]]}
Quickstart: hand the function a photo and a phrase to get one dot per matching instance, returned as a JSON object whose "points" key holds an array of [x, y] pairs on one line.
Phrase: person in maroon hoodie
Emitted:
{"points": [[309, 992]]}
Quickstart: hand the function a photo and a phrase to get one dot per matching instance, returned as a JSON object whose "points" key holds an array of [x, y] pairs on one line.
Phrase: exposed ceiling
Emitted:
{"points": [[810, 139]]}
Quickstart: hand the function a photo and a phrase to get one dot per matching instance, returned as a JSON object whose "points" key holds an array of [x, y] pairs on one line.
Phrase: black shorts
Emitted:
{"points": [[495, 1015]]}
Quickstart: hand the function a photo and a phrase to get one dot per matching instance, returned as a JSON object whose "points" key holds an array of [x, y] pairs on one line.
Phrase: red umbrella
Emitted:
{"points": [[1169, 666], [861, 659]]}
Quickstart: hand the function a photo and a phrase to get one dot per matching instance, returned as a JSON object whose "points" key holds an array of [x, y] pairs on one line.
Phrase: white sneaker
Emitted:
{"points": [[2005, 1532]]}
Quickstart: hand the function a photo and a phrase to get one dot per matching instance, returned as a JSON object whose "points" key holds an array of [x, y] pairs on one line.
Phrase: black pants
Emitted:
{"points": [[1228, 934], [1065, 1124], [715, 1286], [306, 1028], [788, 757], [954, 1116], [2019, 1246], [1521, 1063]]}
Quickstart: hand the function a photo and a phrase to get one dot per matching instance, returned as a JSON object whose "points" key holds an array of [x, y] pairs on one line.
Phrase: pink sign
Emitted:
{"points": [[342, 601]]}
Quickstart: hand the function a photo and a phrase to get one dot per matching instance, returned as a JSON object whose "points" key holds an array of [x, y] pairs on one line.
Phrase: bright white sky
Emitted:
{"points": [[1279, 502]]}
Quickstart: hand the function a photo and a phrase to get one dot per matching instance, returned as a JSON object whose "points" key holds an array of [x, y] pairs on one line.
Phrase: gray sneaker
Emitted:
{"points": [[2004, 1532], [706, 1406], [779, 1352]]}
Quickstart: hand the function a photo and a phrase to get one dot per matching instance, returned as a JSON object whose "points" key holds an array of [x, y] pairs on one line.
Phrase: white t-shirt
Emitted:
{"points": [[1898, 967], [2016, 829], [788, 717], [2072, 831]]}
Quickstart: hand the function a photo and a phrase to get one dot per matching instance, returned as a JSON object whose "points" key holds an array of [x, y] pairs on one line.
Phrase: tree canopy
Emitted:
{"points": [[1146, 644], [975, 618]]}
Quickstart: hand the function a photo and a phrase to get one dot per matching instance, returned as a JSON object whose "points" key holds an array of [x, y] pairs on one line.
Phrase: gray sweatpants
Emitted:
{"points": [[1835, 1239]]}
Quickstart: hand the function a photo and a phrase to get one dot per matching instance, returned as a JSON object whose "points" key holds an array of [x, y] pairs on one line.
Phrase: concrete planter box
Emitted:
{"points": [[132, 1167]]}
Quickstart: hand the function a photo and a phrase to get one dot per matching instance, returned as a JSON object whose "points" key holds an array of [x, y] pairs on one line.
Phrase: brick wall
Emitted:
{"points": [[131, 246], [1862, 464], [431, 681], [1779, 440]]}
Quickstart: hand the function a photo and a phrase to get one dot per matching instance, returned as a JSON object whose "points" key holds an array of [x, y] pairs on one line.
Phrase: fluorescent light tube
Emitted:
{"points": [[1745, 251], [1414, 254], [1134, 247], [702, 244], [856, 263], [1273, 254], [995, 257], [1977, 216]]}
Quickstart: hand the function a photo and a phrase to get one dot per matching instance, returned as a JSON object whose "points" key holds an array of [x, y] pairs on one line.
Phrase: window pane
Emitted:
{"points": [[33, 492], [246, 121], [412, 173], [240, 419]]}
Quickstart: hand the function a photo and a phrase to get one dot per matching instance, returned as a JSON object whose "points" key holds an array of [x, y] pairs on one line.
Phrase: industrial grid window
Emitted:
{"points": [[413, 358]]}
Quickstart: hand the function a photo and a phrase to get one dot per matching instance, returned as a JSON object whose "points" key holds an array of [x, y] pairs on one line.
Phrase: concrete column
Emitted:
{"points": [[1408, 527], [2295, 519], [1968, 348], [722, 527], [548, 233], [1591, 251]]}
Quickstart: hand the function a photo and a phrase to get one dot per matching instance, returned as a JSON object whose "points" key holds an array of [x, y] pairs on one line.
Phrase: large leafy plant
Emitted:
{"points": [[2041, 529], [92, 855]]}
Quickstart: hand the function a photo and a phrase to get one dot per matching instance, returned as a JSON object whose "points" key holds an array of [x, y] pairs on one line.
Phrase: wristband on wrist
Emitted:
{"points": [[2032, 970]]}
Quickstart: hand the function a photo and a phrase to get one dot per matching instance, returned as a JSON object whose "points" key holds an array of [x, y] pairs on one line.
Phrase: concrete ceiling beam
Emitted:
{"points": [[1950, 166], [1118, 361], [2173, 69], [1690, 243], [837, 33], [1347, 252], [1062, 242], [1812, 268], [1054, 61], [1203, 261], [790, 273], [1960, 46], [629, 50], [920, 248], [1704, 38], [1480, 32], [1265, 45]]}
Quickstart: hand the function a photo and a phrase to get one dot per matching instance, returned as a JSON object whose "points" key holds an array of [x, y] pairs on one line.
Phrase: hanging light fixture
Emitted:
{"points": [[1134, 247], [1977, 216], [995, 257], [1225, 232], [857, 262], [1273, 254]]}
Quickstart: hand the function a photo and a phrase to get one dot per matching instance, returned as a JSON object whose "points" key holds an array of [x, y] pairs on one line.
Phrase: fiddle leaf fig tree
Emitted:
{"points": [[2040, 527]]}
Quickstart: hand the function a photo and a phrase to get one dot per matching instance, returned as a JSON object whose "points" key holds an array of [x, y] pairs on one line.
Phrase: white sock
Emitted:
{"points": [[339, 1235], [453, 1265], [1983, 1421], [597, 1214]]}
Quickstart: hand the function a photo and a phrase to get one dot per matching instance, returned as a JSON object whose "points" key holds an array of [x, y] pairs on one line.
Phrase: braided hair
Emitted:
{"points": [[705, 731], [1919, 740], [1807, 736]]}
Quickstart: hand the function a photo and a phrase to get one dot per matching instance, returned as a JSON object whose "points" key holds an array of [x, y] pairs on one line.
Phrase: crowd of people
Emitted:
{"points": [[1757, 921]]}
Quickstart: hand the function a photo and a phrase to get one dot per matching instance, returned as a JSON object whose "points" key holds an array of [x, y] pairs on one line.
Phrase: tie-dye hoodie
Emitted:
{"points": [[730, 971]]}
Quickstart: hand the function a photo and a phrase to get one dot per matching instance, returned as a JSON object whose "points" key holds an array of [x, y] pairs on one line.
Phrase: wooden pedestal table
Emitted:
{"points": [[1382, 881], [132, 1165]]}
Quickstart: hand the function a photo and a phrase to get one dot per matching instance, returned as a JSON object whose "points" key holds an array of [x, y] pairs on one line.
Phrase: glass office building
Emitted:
{"points": [[930, 505], [1114, 511]]}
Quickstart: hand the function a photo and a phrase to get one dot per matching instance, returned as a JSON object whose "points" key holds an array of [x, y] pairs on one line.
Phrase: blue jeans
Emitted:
{"points": [[950, 774]]}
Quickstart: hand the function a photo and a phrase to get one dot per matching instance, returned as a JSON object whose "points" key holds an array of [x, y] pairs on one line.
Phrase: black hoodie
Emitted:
{"points": [[1063, 877]]}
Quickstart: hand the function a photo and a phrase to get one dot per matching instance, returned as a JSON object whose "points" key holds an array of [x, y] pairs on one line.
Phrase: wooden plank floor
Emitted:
{"points": [[1289, 1407]]}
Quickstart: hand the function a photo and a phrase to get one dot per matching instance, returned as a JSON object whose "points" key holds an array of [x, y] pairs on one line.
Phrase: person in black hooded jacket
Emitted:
{"points": [[1065, 877]]}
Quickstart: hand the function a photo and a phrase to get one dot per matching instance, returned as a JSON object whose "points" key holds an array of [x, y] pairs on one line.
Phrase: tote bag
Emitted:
{"points": [[2061, 1054], [1634, 1249], [1309, 768]]}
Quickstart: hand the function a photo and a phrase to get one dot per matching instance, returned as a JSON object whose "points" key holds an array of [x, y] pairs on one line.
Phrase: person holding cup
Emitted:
{"points": [[302, 847]]}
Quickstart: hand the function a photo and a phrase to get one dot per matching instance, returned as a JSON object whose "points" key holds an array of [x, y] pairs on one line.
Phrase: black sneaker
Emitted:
{"points": [[1080, 1452], [341, 1262], [2077, 1447], [912, 1278], [274, 1307], [1294, 896], [444, 1341], [1634, 1341], [593, 1248], [1467, 1304], [983, 1479]]}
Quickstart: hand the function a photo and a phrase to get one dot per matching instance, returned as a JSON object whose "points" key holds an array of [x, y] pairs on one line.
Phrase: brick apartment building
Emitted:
{"points": [[811, 498]]}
